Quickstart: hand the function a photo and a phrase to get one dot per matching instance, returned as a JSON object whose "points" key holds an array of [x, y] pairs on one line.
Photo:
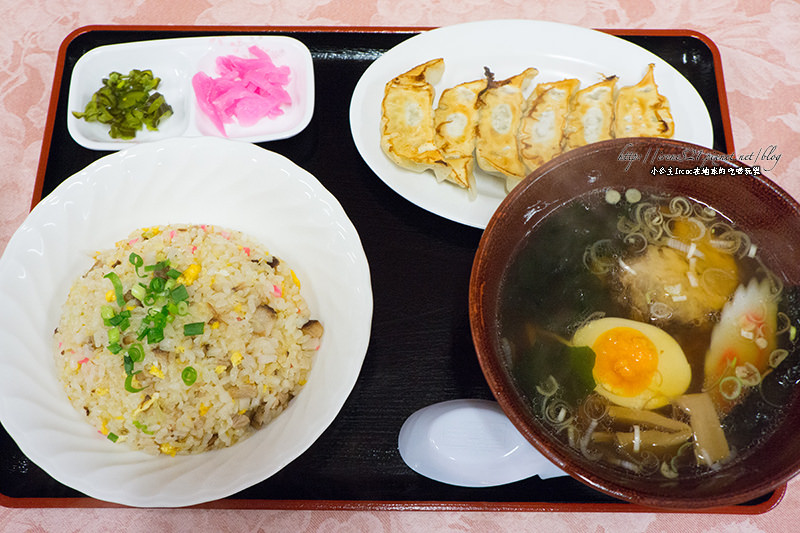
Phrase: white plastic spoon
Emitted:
{"points": [[470, 443]]}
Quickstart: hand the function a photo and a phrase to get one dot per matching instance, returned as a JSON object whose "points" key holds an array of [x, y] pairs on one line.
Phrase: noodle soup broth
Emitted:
{"points": [[646, 334]]}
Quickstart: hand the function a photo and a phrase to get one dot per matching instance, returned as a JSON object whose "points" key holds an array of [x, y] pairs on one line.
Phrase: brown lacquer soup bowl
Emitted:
{"points": [[634, 307]]}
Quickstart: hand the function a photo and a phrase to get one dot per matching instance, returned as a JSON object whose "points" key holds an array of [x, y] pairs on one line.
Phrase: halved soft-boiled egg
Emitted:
{"points": [[636, 365]]}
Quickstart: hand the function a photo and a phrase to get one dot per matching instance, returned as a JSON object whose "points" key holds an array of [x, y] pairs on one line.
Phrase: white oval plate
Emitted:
{"points": [[507, 47], [176, 61], [203, 180]]}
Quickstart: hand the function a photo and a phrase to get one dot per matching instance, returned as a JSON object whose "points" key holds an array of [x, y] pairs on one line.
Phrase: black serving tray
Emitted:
{"points": [[421, 349]]}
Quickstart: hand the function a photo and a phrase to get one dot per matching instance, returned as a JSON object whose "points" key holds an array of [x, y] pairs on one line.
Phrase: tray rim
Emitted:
{"points": [[369, 505], [403, 505]]}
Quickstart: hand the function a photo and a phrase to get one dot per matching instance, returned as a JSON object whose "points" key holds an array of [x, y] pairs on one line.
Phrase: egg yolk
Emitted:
{"points": [[625, 361]]}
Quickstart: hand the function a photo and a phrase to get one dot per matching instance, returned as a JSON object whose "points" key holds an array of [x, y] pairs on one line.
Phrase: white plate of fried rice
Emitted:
{"points": [[230, 185]]}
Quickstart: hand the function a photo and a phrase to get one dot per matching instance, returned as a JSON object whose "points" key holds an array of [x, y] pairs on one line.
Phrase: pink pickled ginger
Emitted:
{"points": [[247, 89]]}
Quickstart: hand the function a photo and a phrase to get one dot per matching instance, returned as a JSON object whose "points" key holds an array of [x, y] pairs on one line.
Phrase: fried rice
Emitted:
{"points": [[184, 338]]}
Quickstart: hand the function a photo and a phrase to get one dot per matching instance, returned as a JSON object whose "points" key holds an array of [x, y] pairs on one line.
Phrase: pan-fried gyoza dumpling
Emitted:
{"points": [[542, 125], [499, 112], [591, 114], [407, 134], [455, 124], [640, 111]]}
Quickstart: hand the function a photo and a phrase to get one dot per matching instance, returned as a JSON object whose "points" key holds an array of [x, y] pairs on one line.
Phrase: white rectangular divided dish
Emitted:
{"points": [[176, 61]]}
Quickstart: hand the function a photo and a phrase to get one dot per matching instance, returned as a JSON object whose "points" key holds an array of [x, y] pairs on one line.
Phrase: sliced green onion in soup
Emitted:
{"points": [[730, 387]]}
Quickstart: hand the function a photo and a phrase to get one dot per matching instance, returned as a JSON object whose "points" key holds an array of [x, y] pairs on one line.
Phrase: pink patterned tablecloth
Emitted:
{"points": [[759, 43]]}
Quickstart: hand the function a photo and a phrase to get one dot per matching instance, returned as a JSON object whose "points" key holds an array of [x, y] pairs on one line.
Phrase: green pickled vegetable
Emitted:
{"points": [[127, 103]]}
